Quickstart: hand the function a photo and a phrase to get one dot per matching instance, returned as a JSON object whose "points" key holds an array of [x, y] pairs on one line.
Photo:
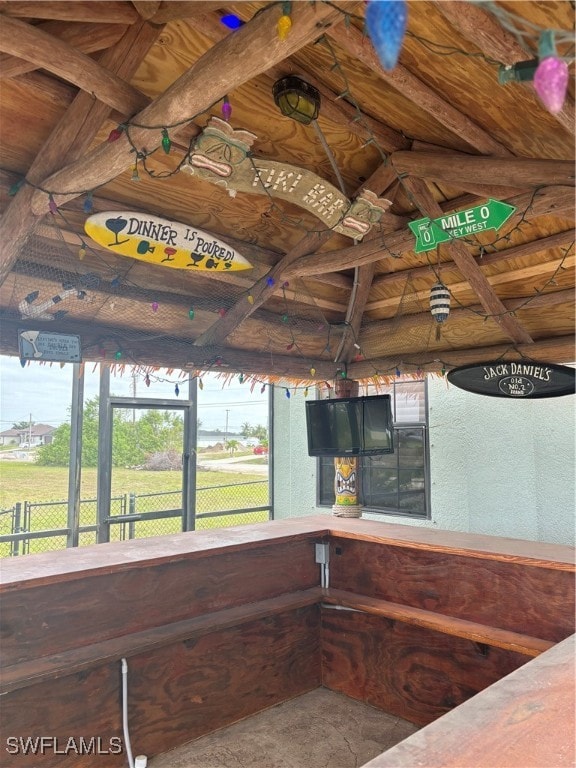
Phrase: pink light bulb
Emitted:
{"points": [[551, 82]]}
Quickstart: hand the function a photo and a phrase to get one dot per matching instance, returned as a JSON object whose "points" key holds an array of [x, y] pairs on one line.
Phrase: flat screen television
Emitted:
{"points": [[350, 426]]}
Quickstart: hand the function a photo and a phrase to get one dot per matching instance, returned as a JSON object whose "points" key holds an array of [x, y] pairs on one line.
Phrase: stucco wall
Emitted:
{"points": [[499, 467]]}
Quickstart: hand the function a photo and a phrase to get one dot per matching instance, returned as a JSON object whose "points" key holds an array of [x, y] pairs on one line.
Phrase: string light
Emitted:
{"points": [[386, 25], [221, 311], [231, 21], [166, 141], [200, 383], [176, 390], [147, 380], [82, 251], [15, 187], [270, 281], [284, 22], [115, 133], [118, 354], [241, 378], [250, 299], [52, 205], [155, 306], [191, 313], [88, 205], [226, 109], [312, 371], [551, 76], [135, 174], [288, 394], [398, 373]]}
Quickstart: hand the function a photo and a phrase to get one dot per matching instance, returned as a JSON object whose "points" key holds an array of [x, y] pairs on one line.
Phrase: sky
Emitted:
{"points": [[42, 392]]}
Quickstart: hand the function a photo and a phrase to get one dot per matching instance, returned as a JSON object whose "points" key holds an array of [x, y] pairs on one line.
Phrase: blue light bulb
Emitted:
{"points": [[386, 25]]}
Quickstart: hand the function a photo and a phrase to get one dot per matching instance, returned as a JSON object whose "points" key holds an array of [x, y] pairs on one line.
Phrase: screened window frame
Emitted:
{"points": [[323, 462]]}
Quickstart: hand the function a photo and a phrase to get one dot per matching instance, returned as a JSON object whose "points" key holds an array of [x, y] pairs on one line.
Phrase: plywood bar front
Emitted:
{"points": [[219, 625]]}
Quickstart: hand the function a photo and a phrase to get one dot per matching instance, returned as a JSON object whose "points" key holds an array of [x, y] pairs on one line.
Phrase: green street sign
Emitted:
{"points": [[431, 232]]}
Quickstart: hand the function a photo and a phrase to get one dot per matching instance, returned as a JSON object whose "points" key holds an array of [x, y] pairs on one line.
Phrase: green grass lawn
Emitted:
{"points": [[215, 492]]}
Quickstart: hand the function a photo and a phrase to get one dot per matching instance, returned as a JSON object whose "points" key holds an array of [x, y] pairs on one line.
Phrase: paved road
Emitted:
{"points": [[233, 464]]}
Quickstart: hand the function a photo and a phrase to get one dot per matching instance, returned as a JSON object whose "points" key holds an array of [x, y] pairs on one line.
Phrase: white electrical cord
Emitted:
{"points": [[125, 713]]}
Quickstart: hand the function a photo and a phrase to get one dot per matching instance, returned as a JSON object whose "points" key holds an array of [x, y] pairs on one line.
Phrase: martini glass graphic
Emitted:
{"points": [[116, 225]]}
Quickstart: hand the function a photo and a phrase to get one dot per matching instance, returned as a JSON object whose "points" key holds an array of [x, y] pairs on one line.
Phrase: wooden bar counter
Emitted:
{"points": [[463, 634]]}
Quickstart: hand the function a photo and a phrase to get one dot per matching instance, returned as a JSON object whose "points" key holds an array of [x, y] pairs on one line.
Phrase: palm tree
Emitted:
{"points": [[232, 445], [246, 430]]}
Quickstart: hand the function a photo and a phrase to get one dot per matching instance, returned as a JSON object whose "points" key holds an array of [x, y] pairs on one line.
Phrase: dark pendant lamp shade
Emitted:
{"points": [[297, 99]]}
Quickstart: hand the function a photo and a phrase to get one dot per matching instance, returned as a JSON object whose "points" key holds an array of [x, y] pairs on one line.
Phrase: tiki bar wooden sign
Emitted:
{"points": [[521, 379], [221, 155]]}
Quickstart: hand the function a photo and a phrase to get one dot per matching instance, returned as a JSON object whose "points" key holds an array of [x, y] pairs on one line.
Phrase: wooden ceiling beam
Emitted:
{"points": [[517, 252], [55, 55], [560, 349], [146, 8], [359, 47], [378, 181], [70, 139], [506, 171], [339, 112], [358, 300], [86, 11], [207, 81], [87, 38], [374, 333], [549, 201], [510, 276], [463, 259], [176, 10], [171, 352], [483, 30]]}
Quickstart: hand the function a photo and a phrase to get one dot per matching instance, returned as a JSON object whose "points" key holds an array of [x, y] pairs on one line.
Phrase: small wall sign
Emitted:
{"points": [[163, 242], [55, 347], [520, 379]]}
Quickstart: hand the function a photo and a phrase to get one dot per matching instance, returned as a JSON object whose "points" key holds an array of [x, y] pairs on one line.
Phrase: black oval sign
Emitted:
{"points": [[518, 379]]}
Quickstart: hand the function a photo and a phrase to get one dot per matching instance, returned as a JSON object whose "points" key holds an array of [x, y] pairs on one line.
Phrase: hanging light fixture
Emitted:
{"points": [[297, 99], [439, 305]]}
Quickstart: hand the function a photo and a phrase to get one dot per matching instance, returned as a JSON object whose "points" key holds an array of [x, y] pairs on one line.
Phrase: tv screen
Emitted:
{"points": [[350, 426]]}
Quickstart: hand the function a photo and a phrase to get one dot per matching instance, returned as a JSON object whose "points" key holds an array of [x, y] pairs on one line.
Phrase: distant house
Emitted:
{"points": [[31, 437]]}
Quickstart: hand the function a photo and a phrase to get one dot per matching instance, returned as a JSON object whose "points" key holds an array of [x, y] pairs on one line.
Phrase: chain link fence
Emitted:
{"points": [[31, 527]]}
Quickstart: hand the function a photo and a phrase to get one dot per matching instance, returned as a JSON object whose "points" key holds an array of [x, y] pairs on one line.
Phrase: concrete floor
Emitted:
{"points": [[320, 729]]}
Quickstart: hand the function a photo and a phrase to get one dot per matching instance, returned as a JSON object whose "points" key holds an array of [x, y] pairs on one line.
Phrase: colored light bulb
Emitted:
{"points": [[88, 205], [551, 83], [284, 318], [386, 25], [226, 109], [155, 306], [250, 298], [231, 21], [166, 141], [81, 252], [283, 27], [52, 205], [312, 371], [270, 281], [221, 311], [135, 174], [289, 347], [115, 134], [147, 380], [200, 383], [118, 355], [288, 394], [176, 390], [191, 313], [241, 378]]}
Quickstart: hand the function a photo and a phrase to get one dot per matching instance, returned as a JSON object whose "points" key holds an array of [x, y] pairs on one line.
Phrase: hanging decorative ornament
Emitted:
{"points": [[439, 305], [166, 141], [386, 25], [551, 76]]}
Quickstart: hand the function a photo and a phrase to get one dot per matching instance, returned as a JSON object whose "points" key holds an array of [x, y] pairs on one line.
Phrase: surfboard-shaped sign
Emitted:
{"points": [[163, 242]]}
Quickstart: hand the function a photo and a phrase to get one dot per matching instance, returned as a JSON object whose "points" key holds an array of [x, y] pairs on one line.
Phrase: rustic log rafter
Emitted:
{"points": [[183, 99], [86, 38], [483, 30], [559, 348], [66, 10], [339, 112], [354, 43], [379, 181], [422, 196], [70, 139], [553, 201]]}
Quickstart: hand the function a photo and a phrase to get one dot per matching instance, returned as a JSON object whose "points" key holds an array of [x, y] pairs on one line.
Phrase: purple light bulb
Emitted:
{"points": [[551, 82]]}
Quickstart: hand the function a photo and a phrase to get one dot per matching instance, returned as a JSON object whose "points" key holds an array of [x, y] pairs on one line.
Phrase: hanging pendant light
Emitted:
{"points": [[439, 305], [297, 99]]}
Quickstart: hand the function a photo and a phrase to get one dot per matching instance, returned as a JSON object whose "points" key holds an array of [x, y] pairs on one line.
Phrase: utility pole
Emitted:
{"points": [[30, 432], [226, 430]]}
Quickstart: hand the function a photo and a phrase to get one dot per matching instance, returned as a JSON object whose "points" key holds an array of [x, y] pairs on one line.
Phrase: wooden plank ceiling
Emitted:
{"points": [[436, 134]]}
